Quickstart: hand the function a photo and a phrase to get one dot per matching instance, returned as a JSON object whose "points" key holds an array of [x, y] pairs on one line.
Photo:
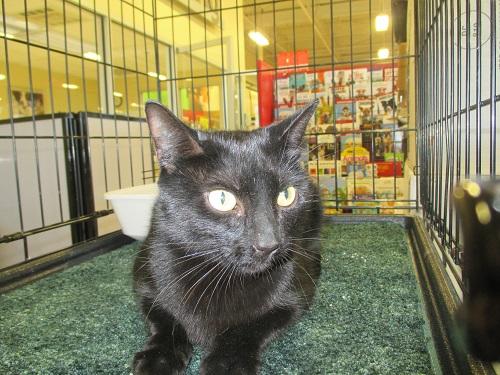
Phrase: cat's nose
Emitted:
{"points": [[265, 248]]}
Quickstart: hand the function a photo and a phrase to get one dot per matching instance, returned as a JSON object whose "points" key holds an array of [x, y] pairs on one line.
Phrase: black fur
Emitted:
{"points": [[199, 277]]}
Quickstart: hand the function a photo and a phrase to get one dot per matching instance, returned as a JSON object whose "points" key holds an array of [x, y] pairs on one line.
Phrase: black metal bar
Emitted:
{"points": [[34, 127], [193, 113], [206, 61], [12, 130], [151, 147], [223, 70], [100, 99], [139, 101], [52, 114], [112, 81], [24, 234], [332, 91], [66, 54], [125, 79], [493, 85], [37, 268], [467, 91], [478, 86]]}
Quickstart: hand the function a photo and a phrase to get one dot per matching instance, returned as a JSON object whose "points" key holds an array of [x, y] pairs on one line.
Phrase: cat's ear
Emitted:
{"points": [[291, 130], [173, 140]]}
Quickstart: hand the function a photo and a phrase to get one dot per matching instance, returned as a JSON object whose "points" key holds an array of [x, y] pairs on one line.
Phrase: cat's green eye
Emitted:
{"points": [[222, 200], [286, 197]]}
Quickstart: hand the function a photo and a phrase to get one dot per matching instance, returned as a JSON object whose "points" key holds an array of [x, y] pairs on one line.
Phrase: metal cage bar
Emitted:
{"points": [[457, 111]]}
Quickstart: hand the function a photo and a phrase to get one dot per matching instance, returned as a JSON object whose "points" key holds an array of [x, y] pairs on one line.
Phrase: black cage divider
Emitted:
{"points": [[79, 177], [82, 213]]}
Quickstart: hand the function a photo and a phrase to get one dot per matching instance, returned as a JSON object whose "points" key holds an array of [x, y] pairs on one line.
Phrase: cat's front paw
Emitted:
{"points": [[229, 364], [155, 361]]}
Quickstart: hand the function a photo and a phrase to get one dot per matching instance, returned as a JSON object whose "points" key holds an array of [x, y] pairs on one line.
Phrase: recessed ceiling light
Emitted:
{"points": [[92, 56], [382, 22], [2, 77], [383, 53], [161, 77], [70, 86], [258, 38], [117, 94]]}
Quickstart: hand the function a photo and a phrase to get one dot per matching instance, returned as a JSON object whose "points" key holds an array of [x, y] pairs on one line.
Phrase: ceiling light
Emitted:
{"points": [[92, 56], [7, 35], [70, 86], [2, 77], [382, 22], [161, 77], [258, 38], [117, 94], [383, 53]]}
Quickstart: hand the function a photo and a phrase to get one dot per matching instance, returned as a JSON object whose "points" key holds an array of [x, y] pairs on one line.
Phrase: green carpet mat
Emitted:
{"points": [[367, 318]]}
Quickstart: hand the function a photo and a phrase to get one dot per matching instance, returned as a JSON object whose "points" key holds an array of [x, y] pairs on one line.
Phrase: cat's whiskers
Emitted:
{"points": [[193, 269], [176, 280], [310, 230], [191, 256], [308, 238], [223, 273], [300, 284], [234, 267], [186, 297], [302, 254], [307, 273], [144, 264], [314, 148], [269, 277]]}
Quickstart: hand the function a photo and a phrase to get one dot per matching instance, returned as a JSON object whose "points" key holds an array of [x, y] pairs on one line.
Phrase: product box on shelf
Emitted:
{"points": [[389, 169], [348, 140], [361, 90], [322, 151], [389, 194], [355, 158], [391, 73], [333, 192], [323, 167], [365, 112], [385, 188], [324, 112], [345, 113], [376, 74], [381, 88]]}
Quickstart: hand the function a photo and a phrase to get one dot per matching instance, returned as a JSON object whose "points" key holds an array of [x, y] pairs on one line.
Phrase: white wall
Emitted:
{"points": [[52, 209]]}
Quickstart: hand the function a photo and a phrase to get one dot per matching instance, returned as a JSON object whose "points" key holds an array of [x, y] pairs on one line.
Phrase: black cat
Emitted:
{"points": [[232, 257]]}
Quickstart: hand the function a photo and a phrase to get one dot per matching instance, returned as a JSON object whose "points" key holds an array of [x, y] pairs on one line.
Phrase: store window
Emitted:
{"points": [[72, 59], [47, 71], [135, 75]]}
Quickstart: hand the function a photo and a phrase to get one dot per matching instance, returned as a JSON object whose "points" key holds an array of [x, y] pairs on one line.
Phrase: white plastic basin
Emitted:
{"points": [[133, 207]]}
